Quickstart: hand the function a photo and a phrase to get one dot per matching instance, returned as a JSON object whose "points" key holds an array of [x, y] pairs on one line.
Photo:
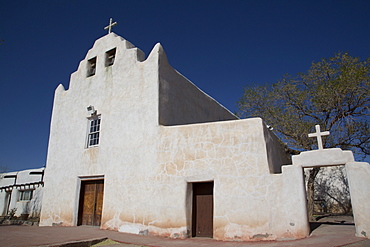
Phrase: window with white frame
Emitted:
{"points": [[94, 131], [25, 195]]}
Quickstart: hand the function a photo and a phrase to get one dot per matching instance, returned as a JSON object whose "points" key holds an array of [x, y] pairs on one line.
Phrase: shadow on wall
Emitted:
{"points": [[276, 153]]}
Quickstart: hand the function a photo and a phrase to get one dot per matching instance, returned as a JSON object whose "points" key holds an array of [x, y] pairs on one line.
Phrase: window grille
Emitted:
{"points": [[25, 195]]}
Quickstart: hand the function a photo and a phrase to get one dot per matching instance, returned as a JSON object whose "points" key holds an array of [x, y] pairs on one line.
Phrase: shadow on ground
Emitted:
{"points": [[331, 220]]}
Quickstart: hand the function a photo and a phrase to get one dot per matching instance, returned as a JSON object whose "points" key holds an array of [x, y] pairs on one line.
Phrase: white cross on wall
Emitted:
{"points": [[109, 27], [318, 135]]}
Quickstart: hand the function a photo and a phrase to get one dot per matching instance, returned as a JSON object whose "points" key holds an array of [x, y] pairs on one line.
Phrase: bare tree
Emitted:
{"points": [[333, 93]]}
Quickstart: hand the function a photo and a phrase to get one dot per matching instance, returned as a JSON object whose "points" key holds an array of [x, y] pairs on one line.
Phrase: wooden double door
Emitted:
{"points": [[91, 203], [202, 216]]}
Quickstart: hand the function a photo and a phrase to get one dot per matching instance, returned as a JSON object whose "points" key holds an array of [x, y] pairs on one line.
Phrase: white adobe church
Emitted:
{"points": [[136, 147]]}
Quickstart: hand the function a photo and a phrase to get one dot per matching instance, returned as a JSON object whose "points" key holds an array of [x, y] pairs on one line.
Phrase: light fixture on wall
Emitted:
{"points": [[91, 110]]}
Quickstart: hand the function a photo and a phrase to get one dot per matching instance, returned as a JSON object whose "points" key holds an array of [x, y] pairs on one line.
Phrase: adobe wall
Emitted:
{"points": [[124, 95], [182, 102], [359, 184], [148, 169], [288, 204], [277, 157], [31, 207], [232, 154], [358, 174]]}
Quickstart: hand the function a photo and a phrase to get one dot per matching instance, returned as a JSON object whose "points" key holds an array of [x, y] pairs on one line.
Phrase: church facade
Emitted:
{"points": [[136, 147]]}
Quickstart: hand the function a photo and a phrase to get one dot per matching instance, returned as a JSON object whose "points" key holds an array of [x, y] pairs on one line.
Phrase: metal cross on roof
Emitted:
{"points": [[318, 135], [109, 27]]}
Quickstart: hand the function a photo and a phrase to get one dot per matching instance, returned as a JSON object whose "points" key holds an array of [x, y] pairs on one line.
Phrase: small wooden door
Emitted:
{"points": [[202, 225], [91, 202]]}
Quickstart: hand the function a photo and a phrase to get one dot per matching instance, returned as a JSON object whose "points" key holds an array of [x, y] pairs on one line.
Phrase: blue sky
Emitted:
{"points": [[221, 46]]}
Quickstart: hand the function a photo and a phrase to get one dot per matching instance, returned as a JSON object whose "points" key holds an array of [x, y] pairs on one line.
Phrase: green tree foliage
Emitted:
{"points": [[333, 93]]}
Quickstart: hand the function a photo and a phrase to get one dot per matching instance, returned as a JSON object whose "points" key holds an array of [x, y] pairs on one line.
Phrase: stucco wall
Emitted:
{"points": [[148, 169], [22, 183], [123, 95], [288, 204], [276, 156], [181, 102], [231, 153], [359, 181]]}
